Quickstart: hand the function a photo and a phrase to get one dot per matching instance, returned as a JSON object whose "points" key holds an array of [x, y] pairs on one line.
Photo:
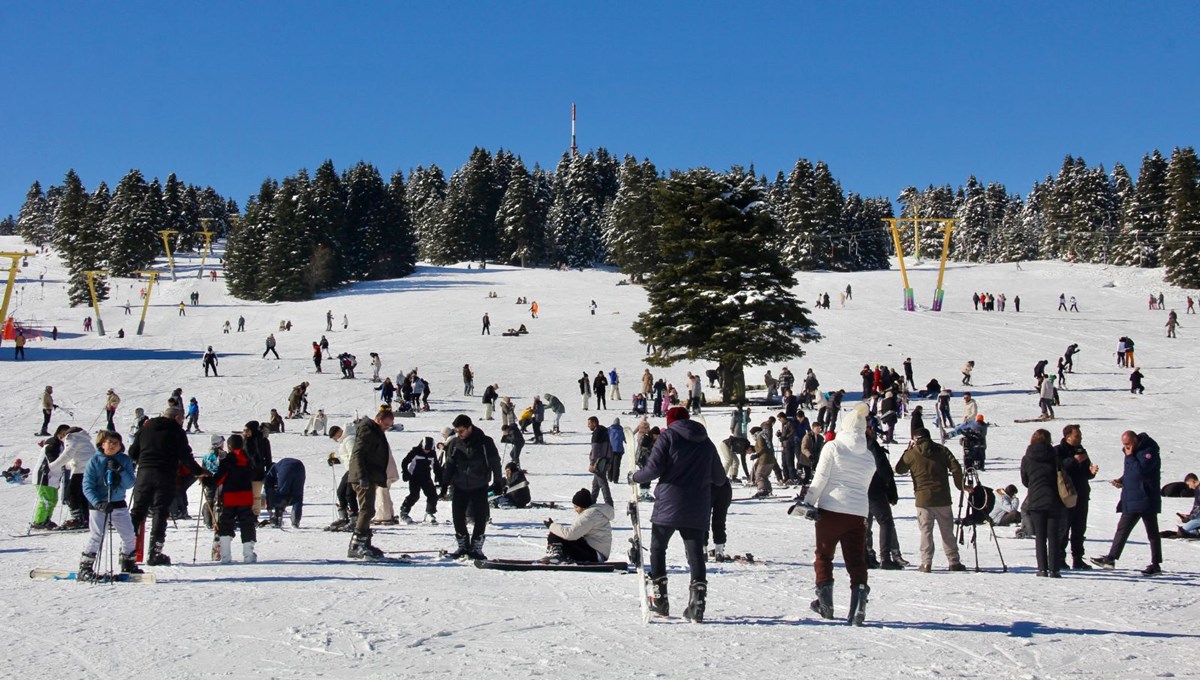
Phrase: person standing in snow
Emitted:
{"points": [[1141, 500], [270, 346], [472, 465], [687, 467], [368, 471], [598, 385], [1062, 302], [616, 439], [930, 464], [106, 480], [1043, 506], [468, 380], [210, 362], [48, 408], [419, 469], [159, 450], [1074, 306], [111, 401], [556, 407], [328, 320], [839, 492], [193, 415], [236, 494], [614, 385], [600, 459], [882, 494], [1075, 463]]}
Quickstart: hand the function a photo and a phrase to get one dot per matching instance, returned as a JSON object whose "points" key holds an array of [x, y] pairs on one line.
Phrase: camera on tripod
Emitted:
{"points": [[975, 504]]}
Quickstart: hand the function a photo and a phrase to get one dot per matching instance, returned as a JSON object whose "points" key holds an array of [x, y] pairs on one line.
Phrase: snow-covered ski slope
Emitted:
{"points": [[305, 610]]}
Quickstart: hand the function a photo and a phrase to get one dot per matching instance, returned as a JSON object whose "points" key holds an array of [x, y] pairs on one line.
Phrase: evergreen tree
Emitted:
{"points": [[131, 226], [828, 199], [631, 230], [972, 226], [1144, 215], [368, 212], [8, 226], [322, 214], [174, 200], [294, 264], [1180, 252], [75, 239], [801, 247], [469, 211], [867, 238], [426, 192], [717, 295], [521, 220], [35, 222], [575, 220], [398, 257], [246, 243]]}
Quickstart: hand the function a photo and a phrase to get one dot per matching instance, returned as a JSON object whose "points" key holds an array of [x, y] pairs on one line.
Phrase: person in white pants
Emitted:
{"points": [[106, 480]]}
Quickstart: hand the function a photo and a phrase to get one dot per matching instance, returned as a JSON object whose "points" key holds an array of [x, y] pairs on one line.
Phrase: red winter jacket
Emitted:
{"points": [[233, 479]]}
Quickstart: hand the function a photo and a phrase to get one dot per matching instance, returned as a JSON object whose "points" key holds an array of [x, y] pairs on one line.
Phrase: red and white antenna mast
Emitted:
{"points": [[574, 149]]}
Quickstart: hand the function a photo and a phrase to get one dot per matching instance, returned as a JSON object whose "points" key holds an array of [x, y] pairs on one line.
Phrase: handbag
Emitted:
{"points": [[1066, 488]]}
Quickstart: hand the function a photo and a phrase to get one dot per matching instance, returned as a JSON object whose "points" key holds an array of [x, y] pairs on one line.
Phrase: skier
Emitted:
{"points": [[687, 467], [929, 464], [585, 390], [48, 479], [471, 459], [48, 408], [182, 309], [347, 501], [193, 415], [159, 450], [588, 539], [598, 385], [105, 481], [420, 468], [840, 494], [1069, 357], [1141, 499], [210, 362], [966, 372], [270, 346], [507, 411], [1017, 299], [772, 386], [77, 452], [284, 485], [487, 325], [111, 401], [600, 459], [368, 470], [233, 481]]}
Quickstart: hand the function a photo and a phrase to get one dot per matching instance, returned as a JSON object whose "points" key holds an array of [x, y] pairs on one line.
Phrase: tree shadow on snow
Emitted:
{"points": [[1017, 629], [418, 282], [121, 354]]}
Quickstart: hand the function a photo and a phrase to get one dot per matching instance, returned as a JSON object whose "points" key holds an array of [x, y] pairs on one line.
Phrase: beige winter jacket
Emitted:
{"points": [[593, 525]]}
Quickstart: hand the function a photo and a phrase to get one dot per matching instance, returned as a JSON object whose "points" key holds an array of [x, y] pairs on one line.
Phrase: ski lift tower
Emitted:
{"points": [[91, 279], [166, 237], [146, 300], [12, 278], [898, 223], [208, 236]]}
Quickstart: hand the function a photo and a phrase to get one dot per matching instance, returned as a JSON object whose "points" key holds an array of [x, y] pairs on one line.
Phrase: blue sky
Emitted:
{"points": [[888, 93]]}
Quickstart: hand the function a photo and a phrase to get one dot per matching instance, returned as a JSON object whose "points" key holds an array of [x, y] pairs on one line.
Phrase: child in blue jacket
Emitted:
{"points": [[105, 481]]}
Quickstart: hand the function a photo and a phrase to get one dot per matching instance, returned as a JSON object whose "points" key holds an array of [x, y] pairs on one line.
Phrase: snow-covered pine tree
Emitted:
{"points": [[367, 213], [868, 240], [800, 229], [322, 210], [8, 226], [292, 260], [1180, 252], [129, 227], [521, 220], [399, 254], [426, 192], [34, 222], [1092, 223], [972, 226], [630, 226], [174, 199], [574, 222], [75, 240], [1145, 215], [1010, 242], [246, 243], [717, 294], [828, 200]]}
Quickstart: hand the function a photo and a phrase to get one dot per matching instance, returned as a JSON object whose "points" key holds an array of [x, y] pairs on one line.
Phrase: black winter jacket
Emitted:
{"points": [[1080, 473], [472, 463], [1039, 474], [883, 484], [162, 445], [369, 463]]}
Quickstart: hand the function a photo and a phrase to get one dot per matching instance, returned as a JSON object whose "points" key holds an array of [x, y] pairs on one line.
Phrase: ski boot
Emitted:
{"points": [[554, 554], [73, 524], [226, 549], [858, 604], [277, 518], [823, 605], [872, 560], [361, 548], [476, 551], [464, 547], [86, 572], [695, 609], [431, 518], [157, 558], [129, 564], [248, 555], [659, 603], [406, 518]]}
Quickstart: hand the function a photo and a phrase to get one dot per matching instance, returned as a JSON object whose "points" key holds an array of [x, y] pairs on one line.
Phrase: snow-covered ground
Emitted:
{"points": [[304, 610]]}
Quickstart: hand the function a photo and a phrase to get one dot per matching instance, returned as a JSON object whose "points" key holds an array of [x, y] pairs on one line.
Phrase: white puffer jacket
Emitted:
{"points": [[845, 469], [78, 450], [593, 525], [345, 449]]}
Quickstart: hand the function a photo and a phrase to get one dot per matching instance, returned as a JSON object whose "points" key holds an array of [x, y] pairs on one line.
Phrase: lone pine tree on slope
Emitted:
{"points": [[719, 294]]}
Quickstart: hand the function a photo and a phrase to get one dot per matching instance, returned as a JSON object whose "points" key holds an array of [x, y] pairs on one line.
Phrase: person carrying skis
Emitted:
{"points": [[840, 500], [588, 539], [419, 469], [210, 362], [368, 470], [111, 401], [236, 498], [687, 467], [106, 480], [471, 462]]}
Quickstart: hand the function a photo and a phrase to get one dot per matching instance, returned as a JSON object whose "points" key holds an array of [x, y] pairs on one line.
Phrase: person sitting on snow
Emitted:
{"points": [[589, 539]]}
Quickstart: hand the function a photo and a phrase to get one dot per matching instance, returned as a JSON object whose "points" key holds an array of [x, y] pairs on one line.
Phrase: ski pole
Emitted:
{"points": [[196, 543]]}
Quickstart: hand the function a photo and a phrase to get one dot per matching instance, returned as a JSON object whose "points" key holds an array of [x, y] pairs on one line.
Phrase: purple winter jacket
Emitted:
{"points": [[685, 463]]}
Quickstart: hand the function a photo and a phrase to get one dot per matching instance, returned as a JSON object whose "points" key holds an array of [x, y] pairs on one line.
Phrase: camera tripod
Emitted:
{"points": [[967, 501]]}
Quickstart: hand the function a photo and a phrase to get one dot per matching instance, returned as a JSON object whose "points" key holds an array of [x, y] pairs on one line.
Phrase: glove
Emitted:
{"points": [[333, 459], [805, 510], [114, 465], [629, 477], [547, 522]]}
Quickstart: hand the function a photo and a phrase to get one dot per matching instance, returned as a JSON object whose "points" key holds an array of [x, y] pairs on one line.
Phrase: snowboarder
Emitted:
{"points": [[345, 321], [471, 462], [687, 467], [1141, 499]]}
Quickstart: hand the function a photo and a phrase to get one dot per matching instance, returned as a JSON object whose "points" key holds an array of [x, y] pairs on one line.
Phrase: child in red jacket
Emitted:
{"points": [[233, 480]]}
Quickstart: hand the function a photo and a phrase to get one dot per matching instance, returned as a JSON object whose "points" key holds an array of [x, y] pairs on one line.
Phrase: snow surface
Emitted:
{"points": [[305, 611]]}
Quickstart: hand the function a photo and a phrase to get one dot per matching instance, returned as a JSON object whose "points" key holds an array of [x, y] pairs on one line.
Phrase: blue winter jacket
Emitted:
{"points": [[685, 463], [95, 479], [616, 436], [285, 483], [1140, 487]]}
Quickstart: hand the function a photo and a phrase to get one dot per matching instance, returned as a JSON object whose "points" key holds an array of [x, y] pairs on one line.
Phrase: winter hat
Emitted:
{"points": [[218, 440], [582, 499], [677, 413], [979, 418], [428, 443], [447, 432]]}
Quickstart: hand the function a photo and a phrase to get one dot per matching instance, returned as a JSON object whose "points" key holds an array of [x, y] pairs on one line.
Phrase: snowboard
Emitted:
{"points": [[64, 575], [535, 565], [635, 552]]}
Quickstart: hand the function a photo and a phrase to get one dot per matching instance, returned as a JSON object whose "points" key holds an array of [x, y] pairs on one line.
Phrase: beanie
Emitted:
{"points": [[582, 498], [979, 418], [428, 443], [217, 440], [677, 413]]}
